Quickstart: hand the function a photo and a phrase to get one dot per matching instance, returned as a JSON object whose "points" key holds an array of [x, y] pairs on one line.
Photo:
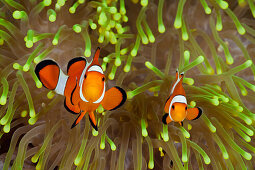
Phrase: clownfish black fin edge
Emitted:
{"points": [[124, 97], [71, 99], [74, 123], [42, 65], [67, 108], [74, 60], [92, 124], [164, 118], [199, 113]]}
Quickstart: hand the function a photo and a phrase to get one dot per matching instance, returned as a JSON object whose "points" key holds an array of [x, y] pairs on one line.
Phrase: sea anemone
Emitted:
{"points": [[143, 43]]}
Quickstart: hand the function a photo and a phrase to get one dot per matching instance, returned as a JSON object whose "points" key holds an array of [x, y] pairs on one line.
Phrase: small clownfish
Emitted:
{"points": [[83, 86], [176, 104]]}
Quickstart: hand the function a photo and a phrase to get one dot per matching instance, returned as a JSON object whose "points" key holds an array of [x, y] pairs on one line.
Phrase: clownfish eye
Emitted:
{"points": [[173, 107], [186, 108], [103, 79], [85, 76]]}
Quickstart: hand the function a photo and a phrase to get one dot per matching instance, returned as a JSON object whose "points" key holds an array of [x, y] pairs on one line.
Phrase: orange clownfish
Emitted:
{"points": [[83, 86], [176, 104]]}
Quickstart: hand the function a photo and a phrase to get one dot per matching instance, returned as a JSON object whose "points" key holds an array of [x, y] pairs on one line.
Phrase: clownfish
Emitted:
{"points": [[176, 105], [83, 86]]}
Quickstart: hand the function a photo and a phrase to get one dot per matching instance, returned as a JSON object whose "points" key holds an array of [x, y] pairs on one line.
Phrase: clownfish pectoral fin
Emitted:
{"points": [[114, 98], [48, 72], [92, 120], [76, 66], [194, 113], [166, 119], [78, 119]]}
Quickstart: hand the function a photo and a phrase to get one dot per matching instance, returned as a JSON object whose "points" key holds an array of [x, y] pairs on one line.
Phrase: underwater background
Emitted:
{"points": [[142, 44]]}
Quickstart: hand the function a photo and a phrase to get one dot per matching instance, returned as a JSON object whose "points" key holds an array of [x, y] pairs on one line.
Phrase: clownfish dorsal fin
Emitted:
{"points": [[178, 80], [76, 66], [96, 57]]}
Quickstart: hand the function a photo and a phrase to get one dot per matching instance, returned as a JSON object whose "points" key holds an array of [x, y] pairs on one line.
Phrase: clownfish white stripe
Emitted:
{"points": [[60, 88], [81, 95], [82, 77], [81, 82], [101, 97], [176, 99], [96, 68]]}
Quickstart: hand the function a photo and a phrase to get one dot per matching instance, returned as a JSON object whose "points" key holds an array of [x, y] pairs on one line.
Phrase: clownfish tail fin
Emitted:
{"points": [[47, 72], [51, 76], [194, 113]]}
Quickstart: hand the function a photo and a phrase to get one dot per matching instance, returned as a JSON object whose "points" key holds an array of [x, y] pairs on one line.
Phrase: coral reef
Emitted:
{"points": [[142, 42]]}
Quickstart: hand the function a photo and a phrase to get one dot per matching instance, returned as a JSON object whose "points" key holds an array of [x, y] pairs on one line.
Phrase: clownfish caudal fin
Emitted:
{"points": [[166, 119], [51, 76], [92, 120], [76, 66], [114, 98], [78, 119], [194, 113]]}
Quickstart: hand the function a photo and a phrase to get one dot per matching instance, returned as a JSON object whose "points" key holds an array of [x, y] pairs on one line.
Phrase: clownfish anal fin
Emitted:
{"points": [[48, 72], [71, 108], [78, 119], [93, 120], [194, 113], [166, 119], [114, 98], [75, 66]]}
